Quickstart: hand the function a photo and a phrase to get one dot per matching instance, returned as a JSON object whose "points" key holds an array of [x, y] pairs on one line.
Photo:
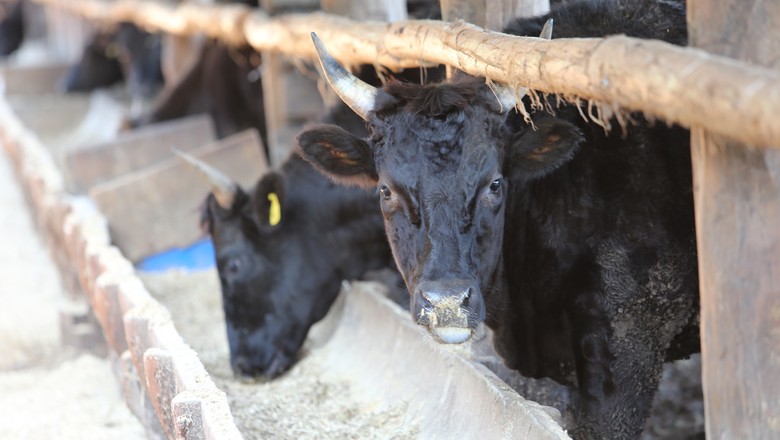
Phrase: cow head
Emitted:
{"points": [[440, 158], [126, 52], [282, 251], [12, 26], [98, 67]]}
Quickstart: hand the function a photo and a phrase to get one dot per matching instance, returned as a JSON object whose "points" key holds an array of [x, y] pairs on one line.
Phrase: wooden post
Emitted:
{"points": [[380, 10], [490, 14], [501, 12], [179, 55], [285, 92], [737, 195]]}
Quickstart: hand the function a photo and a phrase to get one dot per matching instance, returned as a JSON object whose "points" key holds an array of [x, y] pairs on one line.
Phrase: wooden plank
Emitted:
{"points": [[280, 6], [500, 12], [379, 10], [33, 80], [275, 106], [737, 195], [290, 99], [89, 166], [473, 12], [490, 14], [157, 207]]}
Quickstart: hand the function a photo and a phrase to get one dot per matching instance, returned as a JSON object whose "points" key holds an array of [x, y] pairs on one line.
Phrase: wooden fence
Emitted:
{"points": [[691, 87], [727, 92]]}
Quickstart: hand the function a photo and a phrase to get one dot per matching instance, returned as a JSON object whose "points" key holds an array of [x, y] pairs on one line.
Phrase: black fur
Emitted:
{"points": [[12, 26], [125, 53], [577, 247], [221, 83], [278, 281]]}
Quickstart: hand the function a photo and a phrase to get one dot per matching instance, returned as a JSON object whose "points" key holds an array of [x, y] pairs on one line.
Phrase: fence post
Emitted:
{"points": [[490, 14], [289, 97], [737, 196]]}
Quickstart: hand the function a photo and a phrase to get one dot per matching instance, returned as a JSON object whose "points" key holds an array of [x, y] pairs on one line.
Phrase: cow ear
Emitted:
{"points": [[269, 201], [541, 150], [345, 158]]}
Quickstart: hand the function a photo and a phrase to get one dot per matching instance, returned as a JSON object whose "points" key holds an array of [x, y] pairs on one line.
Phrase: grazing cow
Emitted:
{"points": [[11, 26], [225, 83], [575, 245], [98, 66], [282, 251], [125, 53]]}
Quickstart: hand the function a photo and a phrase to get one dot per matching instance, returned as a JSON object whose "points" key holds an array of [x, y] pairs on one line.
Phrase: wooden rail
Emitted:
{"points": [[683, 85]]}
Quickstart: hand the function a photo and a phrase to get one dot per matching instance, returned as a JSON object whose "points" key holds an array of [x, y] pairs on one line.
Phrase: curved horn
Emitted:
{"points": [[223, 188], [358, 95], [507, 96], [547, 30]]}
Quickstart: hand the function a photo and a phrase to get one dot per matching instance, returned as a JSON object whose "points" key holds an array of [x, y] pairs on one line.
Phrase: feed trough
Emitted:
{"points": [[366, 371]]}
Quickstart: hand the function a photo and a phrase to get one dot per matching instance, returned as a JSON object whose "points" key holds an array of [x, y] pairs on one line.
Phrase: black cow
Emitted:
{"points": [[11, 26], [125, 53], [98, 67], [225, 83], [577, 247], [282, 251]]}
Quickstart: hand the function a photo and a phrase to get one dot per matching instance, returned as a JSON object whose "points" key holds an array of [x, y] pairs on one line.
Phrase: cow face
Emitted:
{"points": [[437, 155], [98, 67], [282, 252], [139, 54], [126, 53], [441, 190], [258, 262]]}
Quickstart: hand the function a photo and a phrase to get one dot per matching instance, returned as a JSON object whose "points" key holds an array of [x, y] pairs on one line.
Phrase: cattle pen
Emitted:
{"points": [[724, 87]]}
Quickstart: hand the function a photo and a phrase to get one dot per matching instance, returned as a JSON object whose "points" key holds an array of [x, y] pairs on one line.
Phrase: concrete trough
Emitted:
{"points": [[399, 382]]}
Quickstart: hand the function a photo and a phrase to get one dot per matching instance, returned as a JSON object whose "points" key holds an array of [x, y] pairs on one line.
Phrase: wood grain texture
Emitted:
{"points": [[737, 196]]}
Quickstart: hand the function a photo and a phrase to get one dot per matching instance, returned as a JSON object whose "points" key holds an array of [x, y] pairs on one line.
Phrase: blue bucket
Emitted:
{"points": [[198, 256]]}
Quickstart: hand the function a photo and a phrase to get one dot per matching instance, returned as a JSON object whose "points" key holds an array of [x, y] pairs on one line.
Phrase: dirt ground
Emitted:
{"points": [[46, 390]]}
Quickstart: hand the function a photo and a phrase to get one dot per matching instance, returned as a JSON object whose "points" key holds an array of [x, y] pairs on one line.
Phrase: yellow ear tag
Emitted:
{"points": [[275, 211]]}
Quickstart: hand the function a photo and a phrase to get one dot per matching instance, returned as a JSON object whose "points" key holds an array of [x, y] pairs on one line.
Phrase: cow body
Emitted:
{"points": [[125, 53], [224, 82], [577, 247]]}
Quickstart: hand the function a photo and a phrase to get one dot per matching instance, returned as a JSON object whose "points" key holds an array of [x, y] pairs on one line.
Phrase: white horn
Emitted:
{"points": [[507, 96], [357, 94], [223, 188]]}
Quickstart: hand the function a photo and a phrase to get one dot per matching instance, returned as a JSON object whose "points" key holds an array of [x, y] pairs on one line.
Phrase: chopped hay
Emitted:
{"points": [[307, 402]]}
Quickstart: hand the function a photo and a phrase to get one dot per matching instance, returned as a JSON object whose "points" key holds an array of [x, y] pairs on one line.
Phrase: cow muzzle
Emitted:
{"points": [[445, 307]]}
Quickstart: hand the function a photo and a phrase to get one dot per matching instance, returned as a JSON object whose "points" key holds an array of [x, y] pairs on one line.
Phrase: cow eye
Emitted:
{"points": [[233, 266], [495, 186], [385, 192]]}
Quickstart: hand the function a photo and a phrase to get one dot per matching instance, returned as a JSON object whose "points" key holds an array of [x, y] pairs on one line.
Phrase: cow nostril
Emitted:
{"points": [[466, 297], [430, 299], [241, 365]]}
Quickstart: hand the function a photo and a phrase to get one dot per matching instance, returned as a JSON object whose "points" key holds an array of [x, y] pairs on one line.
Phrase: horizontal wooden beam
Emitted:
{"points": [[683, 85]]}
